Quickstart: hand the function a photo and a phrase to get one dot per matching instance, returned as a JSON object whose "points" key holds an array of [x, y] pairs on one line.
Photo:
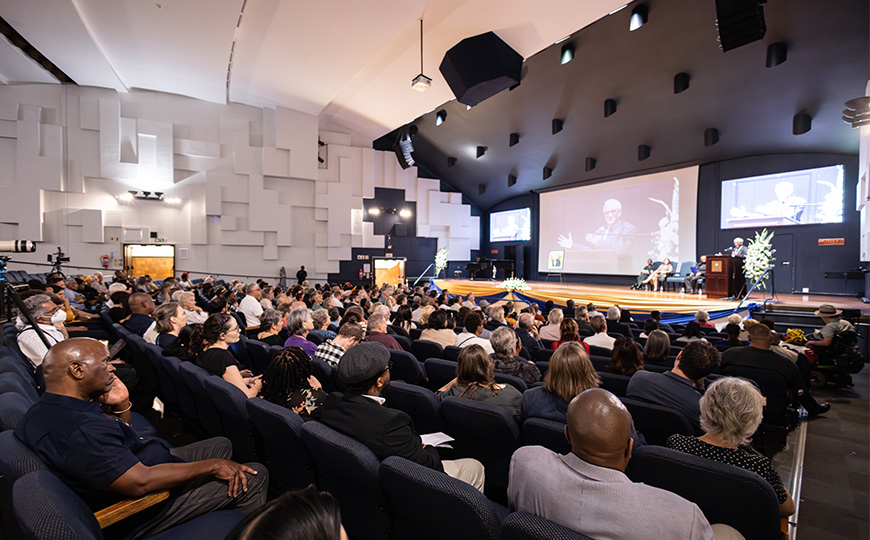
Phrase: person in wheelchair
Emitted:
{"points": [[835, 327]]}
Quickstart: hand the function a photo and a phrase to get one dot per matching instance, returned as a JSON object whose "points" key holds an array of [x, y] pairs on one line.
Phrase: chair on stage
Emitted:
{"points": [[676, 279]]}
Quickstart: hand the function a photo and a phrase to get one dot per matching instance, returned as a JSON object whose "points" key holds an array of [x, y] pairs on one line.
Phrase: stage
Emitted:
{"points": [[642, 302]]}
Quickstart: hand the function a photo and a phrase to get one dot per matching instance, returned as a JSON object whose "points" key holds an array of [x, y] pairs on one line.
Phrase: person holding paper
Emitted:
{"points": [[698, 273]]}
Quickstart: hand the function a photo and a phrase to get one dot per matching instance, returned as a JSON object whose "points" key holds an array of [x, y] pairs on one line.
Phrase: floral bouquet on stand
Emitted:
{"points": [[514, 284], [440, 260], [759, 256]]}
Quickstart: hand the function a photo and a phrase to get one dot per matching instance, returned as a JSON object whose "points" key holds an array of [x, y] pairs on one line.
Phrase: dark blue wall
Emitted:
{"points": [[808, 263]]}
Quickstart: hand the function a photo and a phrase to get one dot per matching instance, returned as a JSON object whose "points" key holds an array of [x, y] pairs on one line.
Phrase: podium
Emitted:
{"points": [[718, 281]]}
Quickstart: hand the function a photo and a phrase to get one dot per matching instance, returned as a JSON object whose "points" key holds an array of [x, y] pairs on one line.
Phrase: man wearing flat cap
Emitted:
{"points": [[361, 415], [834, 326]]}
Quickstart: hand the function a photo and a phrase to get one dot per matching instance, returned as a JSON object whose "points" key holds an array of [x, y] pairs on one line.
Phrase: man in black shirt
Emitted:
{"points": [[301, 275]]}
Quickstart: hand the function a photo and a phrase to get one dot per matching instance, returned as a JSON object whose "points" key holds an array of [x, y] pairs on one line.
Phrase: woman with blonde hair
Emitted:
{"points": [[424, 315], [570, 373], [731, 411], [475, 379]]}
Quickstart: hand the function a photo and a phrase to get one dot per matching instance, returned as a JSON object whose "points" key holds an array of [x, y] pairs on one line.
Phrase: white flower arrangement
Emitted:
{"points": [[666, 240], [514, 284], [759, 256], [440, 260]]}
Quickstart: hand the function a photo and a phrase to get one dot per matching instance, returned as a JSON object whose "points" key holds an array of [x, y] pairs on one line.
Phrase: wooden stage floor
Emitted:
{"points": [[644, 301]]}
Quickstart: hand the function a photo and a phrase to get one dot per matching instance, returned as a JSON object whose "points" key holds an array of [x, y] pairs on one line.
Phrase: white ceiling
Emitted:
{"points": [[350, 62]]}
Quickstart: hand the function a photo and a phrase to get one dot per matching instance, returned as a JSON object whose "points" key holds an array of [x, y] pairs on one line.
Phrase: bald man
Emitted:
{"points": [[80, 428], [140, 321], [587, 490]]}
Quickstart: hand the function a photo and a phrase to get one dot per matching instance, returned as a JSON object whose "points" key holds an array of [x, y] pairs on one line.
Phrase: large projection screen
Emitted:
{"points": [[614, 227]]}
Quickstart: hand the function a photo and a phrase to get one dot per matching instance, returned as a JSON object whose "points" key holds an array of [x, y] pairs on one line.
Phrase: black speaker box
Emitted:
{"points": [[480, 67], [740, 22]]}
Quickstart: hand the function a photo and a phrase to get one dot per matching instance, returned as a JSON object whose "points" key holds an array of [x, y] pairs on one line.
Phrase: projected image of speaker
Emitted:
{"points": [[480, 67]]}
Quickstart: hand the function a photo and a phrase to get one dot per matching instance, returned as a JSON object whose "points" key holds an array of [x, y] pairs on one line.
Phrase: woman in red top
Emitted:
{"points": [[569, 331]]}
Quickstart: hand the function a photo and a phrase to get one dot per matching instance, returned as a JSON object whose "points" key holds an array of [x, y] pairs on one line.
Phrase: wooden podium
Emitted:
{"points": [[718, 280]]}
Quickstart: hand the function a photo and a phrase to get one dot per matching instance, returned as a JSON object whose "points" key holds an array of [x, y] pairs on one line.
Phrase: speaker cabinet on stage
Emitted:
{"points": [[718, 280]]}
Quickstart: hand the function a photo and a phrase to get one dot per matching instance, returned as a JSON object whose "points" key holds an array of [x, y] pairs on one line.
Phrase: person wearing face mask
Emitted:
{"points": [[50, 318]]}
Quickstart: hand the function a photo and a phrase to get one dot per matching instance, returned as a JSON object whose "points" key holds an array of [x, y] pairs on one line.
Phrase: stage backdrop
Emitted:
{"points": [[614, 227]]}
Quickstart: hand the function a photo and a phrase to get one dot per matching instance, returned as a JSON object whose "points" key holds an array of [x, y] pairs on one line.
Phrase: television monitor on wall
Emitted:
{"points": [[510, 225], [808, 196]]}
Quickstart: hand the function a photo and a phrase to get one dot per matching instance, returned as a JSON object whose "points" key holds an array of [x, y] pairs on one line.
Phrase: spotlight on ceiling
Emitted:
{"points": [[639, 17], [421, 83], [405, 213], [681, 82], [440, 117], [375, 211], [512, 180], [777, 53], [126, 197], [643, 152], [711, 136], [481, 150], [609, 107], [451, 161], [591, 162], [514, 139], [481, 189], [558, 123], [802, 123], [567, 53], [172, 200], [548, 172]]}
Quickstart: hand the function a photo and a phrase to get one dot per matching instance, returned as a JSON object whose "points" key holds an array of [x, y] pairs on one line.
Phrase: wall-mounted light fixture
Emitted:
{"points": [[146, 196], [403, 213]]}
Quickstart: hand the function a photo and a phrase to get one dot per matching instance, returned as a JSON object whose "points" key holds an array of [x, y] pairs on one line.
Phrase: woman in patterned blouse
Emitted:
{"points": [[730, 413], [288, 382]]}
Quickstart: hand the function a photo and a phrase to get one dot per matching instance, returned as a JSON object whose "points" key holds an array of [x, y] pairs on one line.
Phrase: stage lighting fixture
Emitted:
{"points": [[557, 125], [639, 17], [548, 172], [375, 211], [451, 161], [126, 197], [405, 213], [514, 139], [172, 200], [643, 152], [681, 82], [802, 123], [421, 83], [591, 162], [512, 180], [481, 150], [567, 53], [609, 107], [711, 136], [440, 117], [777, 53], [481, 189]]}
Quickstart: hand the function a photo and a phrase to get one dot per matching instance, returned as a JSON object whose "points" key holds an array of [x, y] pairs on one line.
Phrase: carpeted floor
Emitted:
{"points": [[835, 499]]}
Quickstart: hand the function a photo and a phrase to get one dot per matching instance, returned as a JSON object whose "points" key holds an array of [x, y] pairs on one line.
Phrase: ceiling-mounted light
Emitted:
{"points": [[405, 213], [639, 17], [126, 197], [481, 150], [567, 53], [440, 117], [375, 211], [421, 83], [172, 200], [777, 53]]}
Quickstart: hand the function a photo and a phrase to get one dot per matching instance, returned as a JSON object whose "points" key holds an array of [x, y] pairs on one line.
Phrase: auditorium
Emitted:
{"points": [[434, 269]]}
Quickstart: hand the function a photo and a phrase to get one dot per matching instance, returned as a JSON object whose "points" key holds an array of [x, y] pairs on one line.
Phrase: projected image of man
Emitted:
{"points": [[616, 234], [786, 204]]}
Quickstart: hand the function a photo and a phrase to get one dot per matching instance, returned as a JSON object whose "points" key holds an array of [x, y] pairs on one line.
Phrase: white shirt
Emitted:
{"points": [[551, 331], [467, 338], [379, 399], [250, 307], [195, 317], [416, 314], [151, 334], [469, 305], [33, 347], [600, 340], [267, 304]]}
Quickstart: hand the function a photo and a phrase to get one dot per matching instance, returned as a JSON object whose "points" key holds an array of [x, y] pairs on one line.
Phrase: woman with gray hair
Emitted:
{"points": [[731, 411], [551, 330], [506, 346], [271, 324], [321, 321], [299, 324], [195, 314], [703, 319]]}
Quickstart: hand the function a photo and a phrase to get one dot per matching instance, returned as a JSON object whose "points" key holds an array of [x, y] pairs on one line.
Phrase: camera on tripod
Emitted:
{"points": [[57, 259]]}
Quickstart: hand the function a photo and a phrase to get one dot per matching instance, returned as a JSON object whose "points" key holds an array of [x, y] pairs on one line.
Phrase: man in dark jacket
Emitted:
{"points": [[361, 415]]}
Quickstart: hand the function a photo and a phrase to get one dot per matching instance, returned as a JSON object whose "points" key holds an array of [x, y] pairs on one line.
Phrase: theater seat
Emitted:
{"points": [[16, 459], [523, 526], [13, 407], [290, 463], [421, 404], [614, 383], [230, 403], [440, 372], [546, 433], [657, 423], [424, 350], [406, 367]]}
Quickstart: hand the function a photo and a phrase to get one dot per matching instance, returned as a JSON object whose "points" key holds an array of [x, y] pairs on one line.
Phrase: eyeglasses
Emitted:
{"points": [[386, 369]]}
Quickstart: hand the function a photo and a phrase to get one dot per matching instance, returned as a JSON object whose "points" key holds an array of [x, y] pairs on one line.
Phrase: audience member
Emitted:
{"points": [[600, 338], [648, 326], [332, 350], [250, 305], [471, 336], [183, 348], [569, 374], [170, 320], [656, 315], [377, 325], [834, 326], [504, 343], [80, 429], [569, 309], [271, 324], [288, 382], [437, 330], [418, 313], [627, 357], [528, 333], [587, 490], [360, 414], [49, 318], [680, 388], [733, 339], [211, 346], [731, 411], [299, 324], [140, 321], [703, 319], [496, 318], [195, 314], [692, 332], [657, 348], [296, 515], [551, 330], [614, 324], [403, 319], [569, 332], [475, 379], [320, 319]]}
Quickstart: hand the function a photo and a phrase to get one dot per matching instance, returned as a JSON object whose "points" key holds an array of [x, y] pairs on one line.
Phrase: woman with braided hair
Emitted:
{"points": [[288, 382], [475, 379]]}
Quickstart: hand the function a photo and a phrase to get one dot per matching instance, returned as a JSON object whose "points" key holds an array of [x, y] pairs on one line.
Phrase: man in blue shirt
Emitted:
{"points": [[80, 429]]}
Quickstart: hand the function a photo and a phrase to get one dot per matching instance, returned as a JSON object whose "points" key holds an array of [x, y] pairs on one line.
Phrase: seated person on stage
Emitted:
{"points": [[288, 382], [299, 324], [377, 325], [680, 388], [475, 380], [471, 336], [693, 279], [614, 324], [211, 345], [570, 373], [659, 274], [834, 326], [80, 428], [759, 356], [600, 339], [731, 411], [657, 349], [437, 330], [648, 326], [644, 274], [569, 332], [331, 351], [528, 333], [505, 344], [140, 321], [361, 415], [170, 320], [50, 318], [587, 490], [551, 330]]}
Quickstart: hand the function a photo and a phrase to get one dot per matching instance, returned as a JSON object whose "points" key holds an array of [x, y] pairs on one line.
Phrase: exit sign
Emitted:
{"points": [[158, 240]]}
